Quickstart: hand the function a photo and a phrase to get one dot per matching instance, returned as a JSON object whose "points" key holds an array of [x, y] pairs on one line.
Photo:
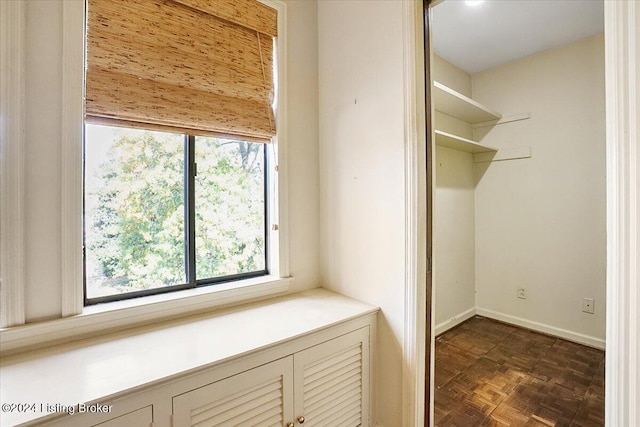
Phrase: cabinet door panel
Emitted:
{"points": [[259, 397], [142, 417], [332, 382]]}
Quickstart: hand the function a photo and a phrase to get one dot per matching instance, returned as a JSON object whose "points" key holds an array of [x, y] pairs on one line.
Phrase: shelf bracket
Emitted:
{"points": [[503, 154], [502, 121]]}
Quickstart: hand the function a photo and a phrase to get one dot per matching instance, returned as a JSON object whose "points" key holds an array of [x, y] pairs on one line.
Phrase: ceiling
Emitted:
{"points": [[493, 32]]}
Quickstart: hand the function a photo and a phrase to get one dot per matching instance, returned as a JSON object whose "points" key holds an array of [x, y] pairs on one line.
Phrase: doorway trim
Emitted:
{"points": [[622, 74], [417, 327]]}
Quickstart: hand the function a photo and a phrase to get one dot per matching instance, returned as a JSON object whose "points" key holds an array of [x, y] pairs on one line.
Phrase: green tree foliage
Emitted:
{"points": [[137, 226], [229, 207]]}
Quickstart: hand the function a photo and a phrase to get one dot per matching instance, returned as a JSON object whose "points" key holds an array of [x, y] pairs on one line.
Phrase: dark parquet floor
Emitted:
{"points": [[488, 373]]}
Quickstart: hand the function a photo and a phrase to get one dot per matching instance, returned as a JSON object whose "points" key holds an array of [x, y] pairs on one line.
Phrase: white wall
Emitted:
{"points": [[448, 74], [454, 238], [540, 222], [362, 197], [43, 153], [454, 213]]}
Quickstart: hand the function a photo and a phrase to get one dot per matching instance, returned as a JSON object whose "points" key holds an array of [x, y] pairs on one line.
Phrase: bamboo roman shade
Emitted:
{"points": [[195, 66]]}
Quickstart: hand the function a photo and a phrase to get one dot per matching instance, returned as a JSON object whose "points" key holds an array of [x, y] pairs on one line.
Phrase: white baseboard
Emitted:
{"points": [[455, 320], [541, 327]]}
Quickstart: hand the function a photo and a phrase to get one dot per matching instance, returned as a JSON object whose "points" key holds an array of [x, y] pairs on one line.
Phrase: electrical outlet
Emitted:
{"points": [[522, 294], [587, 305]]}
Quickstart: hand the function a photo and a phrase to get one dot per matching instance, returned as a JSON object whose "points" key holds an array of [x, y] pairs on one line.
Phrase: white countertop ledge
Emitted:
{"points": [[89, 370]]}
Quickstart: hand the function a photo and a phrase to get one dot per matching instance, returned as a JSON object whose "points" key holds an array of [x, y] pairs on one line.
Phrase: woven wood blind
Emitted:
{"points": [[194, 66]]}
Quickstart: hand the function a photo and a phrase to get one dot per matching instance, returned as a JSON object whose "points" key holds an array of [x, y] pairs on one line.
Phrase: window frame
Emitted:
{"points": [[190, 267], [277, 258], [76, 320]]}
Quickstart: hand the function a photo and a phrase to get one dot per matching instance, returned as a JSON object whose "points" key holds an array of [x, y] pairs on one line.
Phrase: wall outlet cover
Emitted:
{"points": [[587, 305]]}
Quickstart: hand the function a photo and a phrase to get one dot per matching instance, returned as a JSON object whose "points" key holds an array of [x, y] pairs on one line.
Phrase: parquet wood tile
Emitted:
{"points": [[488, 373], [456, 361]]}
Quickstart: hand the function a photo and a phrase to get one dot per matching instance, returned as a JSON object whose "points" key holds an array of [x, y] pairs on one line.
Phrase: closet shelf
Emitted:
{"points": [[455, 104], [455, 142]]}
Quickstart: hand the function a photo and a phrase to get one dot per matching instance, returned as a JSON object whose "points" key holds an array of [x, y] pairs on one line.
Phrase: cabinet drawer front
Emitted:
{"points": [[332, 382], [142, 417], [260, 397]]}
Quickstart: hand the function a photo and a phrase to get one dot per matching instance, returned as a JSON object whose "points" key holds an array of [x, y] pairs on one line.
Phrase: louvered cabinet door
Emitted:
{"points": [[331, 382], [260, 397]]}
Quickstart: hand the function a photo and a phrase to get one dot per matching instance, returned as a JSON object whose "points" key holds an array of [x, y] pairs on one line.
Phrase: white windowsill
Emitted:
{"points": [[107, 317]]}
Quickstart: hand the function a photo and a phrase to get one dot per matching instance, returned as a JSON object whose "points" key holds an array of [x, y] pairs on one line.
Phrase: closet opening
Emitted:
{"points": [[519, 211]]}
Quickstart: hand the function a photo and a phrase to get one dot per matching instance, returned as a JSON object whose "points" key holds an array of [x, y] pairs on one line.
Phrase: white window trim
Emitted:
{"points": [[72, 129], [118, 315], [12, 23], [77, 320]]}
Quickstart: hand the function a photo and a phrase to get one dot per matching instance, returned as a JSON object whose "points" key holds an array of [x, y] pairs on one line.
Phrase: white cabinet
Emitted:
{"points": [[262, 364], [324, 385], [331, 382], [142, 417], [262, 396]]}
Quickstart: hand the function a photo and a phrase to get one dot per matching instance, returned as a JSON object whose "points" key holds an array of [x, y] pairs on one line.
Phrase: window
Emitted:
{"points": [[61, 292], [141, 198], [179, 115]]}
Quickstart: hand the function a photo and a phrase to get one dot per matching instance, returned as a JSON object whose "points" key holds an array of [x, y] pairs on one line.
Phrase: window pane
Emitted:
{"points": [[230, 207], [134, 210]]}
